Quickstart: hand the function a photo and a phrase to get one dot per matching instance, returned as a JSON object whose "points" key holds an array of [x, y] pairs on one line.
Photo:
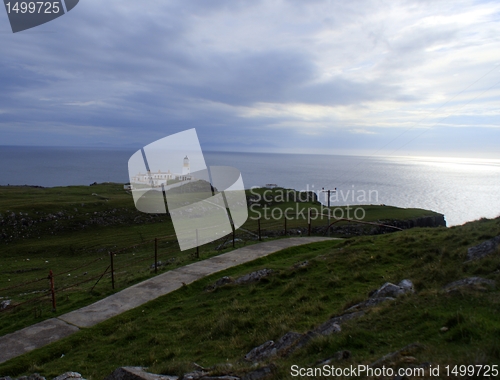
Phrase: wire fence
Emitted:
{"points": [[129, 265]]}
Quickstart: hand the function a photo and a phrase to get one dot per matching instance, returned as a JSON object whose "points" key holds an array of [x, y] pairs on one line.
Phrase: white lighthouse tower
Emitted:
{"points": [[185, 167]]}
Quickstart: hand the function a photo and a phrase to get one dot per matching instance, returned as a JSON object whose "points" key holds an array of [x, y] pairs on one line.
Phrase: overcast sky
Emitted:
{"points": [[307, 76]]}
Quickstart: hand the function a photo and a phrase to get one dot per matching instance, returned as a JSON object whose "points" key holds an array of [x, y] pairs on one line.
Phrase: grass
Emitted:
{"points": [[65, 228], [219, 327]]}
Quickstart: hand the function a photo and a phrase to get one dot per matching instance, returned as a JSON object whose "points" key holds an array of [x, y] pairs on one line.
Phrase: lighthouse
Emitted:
{"points": [[185, 167]]}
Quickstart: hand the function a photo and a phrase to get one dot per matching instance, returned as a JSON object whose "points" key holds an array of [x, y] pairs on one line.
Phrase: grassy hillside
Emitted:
{"points": [[214, 328]]}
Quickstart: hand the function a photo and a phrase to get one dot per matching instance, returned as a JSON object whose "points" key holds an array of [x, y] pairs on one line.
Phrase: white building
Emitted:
{"points": [[159, 178]]}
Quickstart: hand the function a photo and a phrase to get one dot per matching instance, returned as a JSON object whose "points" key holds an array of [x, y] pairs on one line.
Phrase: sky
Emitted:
{"points": [[415, 77]]}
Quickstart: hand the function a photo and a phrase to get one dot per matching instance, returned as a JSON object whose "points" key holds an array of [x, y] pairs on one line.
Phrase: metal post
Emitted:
{"points": [[309, 221], [258, 223], [197, 246], [52, 290], [112, 270], [156, 255], [234, 233], [328, 191], [328, 213]]}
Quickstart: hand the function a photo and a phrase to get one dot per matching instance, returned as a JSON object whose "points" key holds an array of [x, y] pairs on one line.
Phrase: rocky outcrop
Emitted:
{"points": [[387, 292], [253, 277], [36, 376], [245, 279], [136, 373], [484, 249], [270, 348], [293, 341], [354, 229], [394, 358], [476, 283]]}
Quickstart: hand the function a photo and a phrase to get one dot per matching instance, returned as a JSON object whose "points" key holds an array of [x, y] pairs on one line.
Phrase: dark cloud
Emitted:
{"points": [[120, 71]]}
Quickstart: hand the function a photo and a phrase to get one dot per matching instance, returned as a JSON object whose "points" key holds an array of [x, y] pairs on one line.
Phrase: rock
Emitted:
{"points": [[69, 376], [223, 281], [36, 376], [484, 249], [136, 373], [305, 339], [259, 373], [254, 276], [369, 303], [388, 290], [262, 352], [283, 346], [195, 375], [4, 305], [328, 327], [473, 282], [286, 343], [400, 356], [407, 285], [339, 355]]}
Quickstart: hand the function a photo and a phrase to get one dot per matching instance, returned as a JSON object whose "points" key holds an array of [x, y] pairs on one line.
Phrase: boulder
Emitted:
{"points": [[391, 290], [484, 249], [135, 373]]}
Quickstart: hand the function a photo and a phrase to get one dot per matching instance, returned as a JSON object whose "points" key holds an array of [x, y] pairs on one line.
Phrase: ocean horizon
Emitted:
{"points": [[463, 189]]}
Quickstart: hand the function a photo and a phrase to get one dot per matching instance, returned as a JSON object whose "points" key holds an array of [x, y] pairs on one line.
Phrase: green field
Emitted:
{"points": [[212, 328]]}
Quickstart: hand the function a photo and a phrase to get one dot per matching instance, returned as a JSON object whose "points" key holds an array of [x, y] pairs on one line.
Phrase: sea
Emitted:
{"points": [[462, 189]]}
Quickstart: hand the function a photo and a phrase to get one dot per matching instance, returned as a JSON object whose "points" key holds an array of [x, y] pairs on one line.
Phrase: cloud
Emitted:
{"points": [[240, 70]]}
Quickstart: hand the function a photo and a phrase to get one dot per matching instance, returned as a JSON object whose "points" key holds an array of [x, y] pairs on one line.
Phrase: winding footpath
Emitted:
{"points": [[54, 329]]}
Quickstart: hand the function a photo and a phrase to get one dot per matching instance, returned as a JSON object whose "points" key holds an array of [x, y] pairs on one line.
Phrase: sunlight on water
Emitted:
{"points": [[462, 189]]}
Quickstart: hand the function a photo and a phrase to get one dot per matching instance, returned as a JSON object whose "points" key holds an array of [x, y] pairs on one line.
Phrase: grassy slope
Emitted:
{"points": [[192, 325]]}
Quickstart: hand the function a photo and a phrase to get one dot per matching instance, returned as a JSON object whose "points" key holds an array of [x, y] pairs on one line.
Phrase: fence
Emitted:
{"points": [[123, 267]]}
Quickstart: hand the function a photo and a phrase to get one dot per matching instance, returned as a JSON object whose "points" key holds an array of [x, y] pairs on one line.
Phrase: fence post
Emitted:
{"points": [[156, 255], [197, 246], [52, 290], [112, 270], [258, 223], [234, 233], [285, 224], [309, 221]]}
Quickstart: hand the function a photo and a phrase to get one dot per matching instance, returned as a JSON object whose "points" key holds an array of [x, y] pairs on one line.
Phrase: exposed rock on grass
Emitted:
{"points": [[391, 290], [246, 279], [470, 282], [253, 277], [405, 355], [484, 249], [135, 373]]}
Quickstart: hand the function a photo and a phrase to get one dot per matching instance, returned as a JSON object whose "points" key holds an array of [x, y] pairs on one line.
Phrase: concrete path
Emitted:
{"points": [[51, 330]]}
